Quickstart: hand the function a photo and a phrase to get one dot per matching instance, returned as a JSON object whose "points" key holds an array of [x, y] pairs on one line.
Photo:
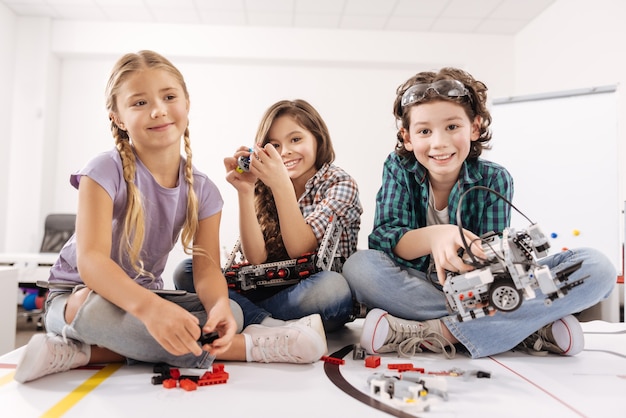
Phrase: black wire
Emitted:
{"points": [[467, 247]]}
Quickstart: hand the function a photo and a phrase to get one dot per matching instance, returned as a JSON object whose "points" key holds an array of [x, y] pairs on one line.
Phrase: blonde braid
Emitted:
{"points": [[190, 227], [134, 222]]}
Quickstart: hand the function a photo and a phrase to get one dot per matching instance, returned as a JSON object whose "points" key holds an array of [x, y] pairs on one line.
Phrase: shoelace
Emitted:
{"points": [[432, 342], [410, 338], [63, 356], [275, 348], [539, 343]]}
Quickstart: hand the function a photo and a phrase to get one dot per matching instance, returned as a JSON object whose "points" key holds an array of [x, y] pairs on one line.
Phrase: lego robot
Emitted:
{"points": [[509, 274], [243, 276]]}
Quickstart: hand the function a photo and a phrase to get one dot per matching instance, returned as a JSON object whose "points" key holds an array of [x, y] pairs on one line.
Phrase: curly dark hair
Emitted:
{"points": [[475, 105], [308, 118]]}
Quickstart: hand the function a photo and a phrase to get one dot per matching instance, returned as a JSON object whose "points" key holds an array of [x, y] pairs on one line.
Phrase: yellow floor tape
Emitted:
{"points": [[81, 391], [6, 378]]}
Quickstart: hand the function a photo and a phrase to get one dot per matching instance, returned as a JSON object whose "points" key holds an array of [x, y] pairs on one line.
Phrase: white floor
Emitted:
{"points": [[591, 384]]}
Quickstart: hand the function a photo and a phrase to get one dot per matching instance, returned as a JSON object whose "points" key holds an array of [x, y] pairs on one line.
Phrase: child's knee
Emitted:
{"points": [[74, 302]]}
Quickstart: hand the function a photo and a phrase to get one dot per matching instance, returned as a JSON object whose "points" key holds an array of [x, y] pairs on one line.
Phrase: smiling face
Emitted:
{"points": [[440, 136], [297, 147], [153, 109]]}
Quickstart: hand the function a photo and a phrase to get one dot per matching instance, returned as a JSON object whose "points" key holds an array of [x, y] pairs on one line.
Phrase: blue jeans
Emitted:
{"points": [[379, 282], [326, 293], [99, 322]]}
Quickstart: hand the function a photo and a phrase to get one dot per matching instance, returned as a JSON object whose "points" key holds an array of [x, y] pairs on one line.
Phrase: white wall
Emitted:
{"points": [[235, 73], [233, 76], [7, 55], [546, 158], [32, 134], [573, 46]]}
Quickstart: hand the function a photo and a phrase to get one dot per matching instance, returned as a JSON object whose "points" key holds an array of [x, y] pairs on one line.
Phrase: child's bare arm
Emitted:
{"points": [[210, 284], [443, 243]]}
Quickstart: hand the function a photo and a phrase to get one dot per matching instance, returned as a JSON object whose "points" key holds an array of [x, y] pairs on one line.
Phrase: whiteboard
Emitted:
{"points": [[562, 151]]}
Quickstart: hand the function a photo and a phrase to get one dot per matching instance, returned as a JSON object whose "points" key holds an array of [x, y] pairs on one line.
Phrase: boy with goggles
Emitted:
{"points": [[443, 125]]}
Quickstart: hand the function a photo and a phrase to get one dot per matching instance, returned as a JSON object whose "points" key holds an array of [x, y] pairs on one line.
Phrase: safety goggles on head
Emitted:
{"points": [[444, 88]]}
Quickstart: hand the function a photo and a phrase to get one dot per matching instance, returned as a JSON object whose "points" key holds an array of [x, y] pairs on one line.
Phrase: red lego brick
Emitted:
{"points": [[188, 385], [212, 381], [372, 362], [333, 360], [170, 383]]}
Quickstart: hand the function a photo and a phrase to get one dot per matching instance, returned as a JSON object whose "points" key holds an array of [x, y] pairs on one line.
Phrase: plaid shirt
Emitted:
{"points": [[332, 193], [402, 201]]}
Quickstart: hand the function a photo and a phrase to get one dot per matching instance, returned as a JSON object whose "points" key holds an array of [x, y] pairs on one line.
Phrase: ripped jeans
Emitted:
{"points": [[100, 322]]}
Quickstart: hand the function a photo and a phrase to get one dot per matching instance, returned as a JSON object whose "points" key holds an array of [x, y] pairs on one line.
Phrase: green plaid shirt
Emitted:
{"points": [[402, 201]]}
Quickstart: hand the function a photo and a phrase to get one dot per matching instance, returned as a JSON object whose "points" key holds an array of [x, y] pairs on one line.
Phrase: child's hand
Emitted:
{"points": [[267, 164], [220, 319], [445, 242], [241, 180], [173, 327]]}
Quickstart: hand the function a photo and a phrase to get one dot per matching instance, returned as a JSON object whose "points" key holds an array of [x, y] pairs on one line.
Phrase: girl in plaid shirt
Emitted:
{"points": [[443, 128], [287, 200]]}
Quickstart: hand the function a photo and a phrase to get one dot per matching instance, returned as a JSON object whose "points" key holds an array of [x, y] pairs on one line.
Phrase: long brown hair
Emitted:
{"points": [[308, 118]]}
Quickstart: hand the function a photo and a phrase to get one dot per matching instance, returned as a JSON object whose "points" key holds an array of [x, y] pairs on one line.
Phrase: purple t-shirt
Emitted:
{"points": [[164, 213]]}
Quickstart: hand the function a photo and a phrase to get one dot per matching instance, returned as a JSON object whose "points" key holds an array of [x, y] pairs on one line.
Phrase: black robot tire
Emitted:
{"points": [[504, 296]]}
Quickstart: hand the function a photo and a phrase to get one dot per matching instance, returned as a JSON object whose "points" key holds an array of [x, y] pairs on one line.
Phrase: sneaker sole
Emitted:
{"points": [[29, 359], [568, 335], [372, 319]]}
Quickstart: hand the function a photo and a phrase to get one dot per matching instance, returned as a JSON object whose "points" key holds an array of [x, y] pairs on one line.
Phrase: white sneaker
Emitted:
{"points": [[314, 322], [384, 333], [49, 353], [564, 337], [302, 341]]}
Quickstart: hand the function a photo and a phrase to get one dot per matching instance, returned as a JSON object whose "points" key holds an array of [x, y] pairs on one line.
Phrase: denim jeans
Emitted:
{"points": [[379, 282], [100, 322], [326, 293]]}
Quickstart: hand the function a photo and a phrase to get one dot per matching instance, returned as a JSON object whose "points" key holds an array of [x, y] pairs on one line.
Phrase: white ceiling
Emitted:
{"points": [[500, 17]]}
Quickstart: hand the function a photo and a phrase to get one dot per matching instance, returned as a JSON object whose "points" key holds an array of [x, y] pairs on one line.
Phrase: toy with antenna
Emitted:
{"points": [[509, 274]]}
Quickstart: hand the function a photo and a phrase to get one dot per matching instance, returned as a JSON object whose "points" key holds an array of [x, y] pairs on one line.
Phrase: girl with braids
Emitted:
{"points": [[443, 124], [286, 202], [133, 202]]}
